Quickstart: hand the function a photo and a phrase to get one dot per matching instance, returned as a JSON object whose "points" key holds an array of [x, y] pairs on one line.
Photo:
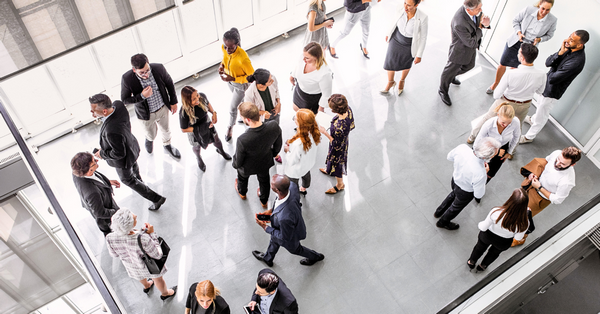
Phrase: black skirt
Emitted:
{"points": [[399, 55], [304, 100], [510, 56]]}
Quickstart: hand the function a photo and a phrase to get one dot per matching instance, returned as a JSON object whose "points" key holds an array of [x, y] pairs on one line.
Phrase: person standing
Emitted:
{"points": [[254, 152], [234, 69], [151, 89], [534, 24], [468, 179], [466, 38], [287, 225], [406, 43], [193, 120], [119, 147], [356, 10], [95, 190], [312, 79], [301, 149], [204, 298], [564, 65], [271, 295], [318, 23]]}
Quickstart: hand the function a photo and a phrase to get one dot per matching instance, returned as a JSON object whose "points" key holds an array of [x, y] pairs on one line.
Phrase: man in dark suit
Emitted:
{"points": [[466, 38], [95, 190], [119, 147], [254, 152], [151, 89], [287, 225], [272, 296]]}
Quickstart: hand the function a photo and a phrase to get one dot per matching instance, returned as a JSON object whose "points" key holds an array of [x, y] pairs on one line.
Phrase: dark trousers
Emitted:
{"points": [[453, 204], [264, 184], [297, 250], [305, 180], [452, 70], [484, 240], [495, 163], [131, 178]]}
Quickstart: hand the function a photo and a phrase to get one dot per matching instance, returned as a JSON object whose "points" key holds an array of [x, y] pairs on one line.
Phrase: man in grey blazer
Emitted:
{"points": [[466, 38]]}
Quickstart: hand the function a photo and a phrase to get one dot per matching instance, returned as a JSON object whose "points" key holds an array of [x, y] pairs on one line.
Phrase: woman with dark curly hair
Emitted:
{"points": [[341, 125], [301, 149]]}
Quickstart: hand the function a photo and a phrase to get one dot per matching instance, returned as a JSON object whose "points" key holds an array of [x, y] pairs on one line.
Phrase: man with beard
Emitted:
{"points": [[554, 183]]}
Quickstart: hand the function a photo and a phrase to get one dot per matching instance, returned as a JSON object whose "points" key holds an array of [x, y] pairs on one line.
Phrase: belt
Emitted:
{"points": [[518, 102]]}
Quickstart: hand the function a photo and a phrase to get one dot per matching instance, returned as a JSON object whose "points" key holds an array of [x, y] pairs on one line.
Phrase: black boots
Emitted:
{"points": [[201, 164]]}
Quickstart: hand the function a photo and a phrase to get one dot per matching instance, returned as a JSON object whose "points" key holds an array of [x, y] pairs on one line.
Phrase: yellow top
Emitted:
{"points": [[237, 64]]}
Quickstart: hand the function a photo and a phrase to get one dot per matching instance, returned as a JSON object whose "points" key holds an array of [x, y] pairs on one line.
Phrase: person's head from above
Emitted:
{"points": [[262, 77], [280, 184], [249, 112], [306, 126], [487, 148], [569, 157], [338, 104], [266, 284], [206, 293], [514, 211], [473, 7], [527, 53], [190, 96], [410, 6], [123, 221], [100, 105], [231, 40], [84, 164], [313, 54], [506, 113], [140, 65], [544, 7], [577, 40]]}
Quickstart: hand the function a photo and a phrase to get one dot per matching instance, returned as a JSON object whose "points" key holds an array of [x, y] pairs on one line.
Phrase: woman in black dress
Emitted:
{"points": [[193, 120], [341, 125], [204, 298]]}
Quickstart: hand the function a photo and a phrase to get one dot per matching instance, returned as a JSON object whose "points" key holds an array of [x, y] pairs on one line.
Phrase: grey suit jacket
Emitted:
{"points": [[466, 37], [524, 18]]}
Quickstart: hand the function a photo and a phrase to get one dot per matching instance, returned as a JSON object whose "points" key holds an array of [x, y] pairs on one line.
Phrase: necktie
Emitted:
{"points": [[475, 19]]}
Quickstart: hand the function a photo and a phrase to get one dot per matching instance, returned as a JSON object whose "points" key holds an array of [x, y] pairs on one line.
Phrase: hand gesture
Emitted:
{"points": [[252, 304], [487, 167], [322, 130], [485, 20], [507, 155], [115, 183], [260, 222], [501, 152], [147, 92], [149, 228], [537, 41], [536, 183], [227, 78], [267, 115], [563, 47], [173, 108], [97, 154], [417, 60], [328, 24], [521, 36], [221, 69]]}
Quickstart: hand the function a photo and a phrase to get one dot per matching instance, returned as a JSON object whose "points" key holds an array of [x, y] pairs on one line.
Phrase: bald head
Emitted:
{"points": [[280, 184]]}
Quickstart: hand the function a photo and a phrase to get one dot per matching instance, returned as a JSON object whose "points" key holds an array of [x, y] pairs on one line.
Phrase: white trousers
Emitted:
{"points": [[350, 20], [541, 116]]}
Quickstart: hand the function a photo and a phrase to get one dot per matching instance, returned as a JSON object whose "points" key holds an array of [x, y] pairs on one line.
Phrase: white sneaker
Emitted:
{"points": [[489, 91], [470, 140], [524, 140], [528, 120]]}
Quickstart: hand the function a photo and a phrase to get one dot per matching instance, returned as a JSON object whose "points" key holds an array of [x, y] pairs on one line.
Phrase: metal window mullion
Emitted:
{"points": [[25, 30]]}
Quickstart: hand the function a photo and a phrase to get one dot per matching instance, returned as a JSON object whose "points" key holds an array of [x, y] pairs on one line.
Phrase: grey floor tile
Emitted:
{"points": [[410, 227], [404, 278], [435, 258]]}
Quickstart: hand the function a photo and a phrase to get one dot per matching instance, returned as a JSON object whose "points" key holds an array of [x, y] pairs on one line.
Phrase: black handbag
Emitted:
{"points": [[155, 265]]}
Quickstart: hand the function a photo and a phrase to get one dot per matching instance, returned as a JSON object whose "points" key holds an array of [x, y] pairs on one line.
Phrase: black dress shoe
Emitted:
{"points": [[149, 146], [157, 205], [229, 134], [261, 257], [445, 98], [166, 297], [363, 52], [174, 152], [449, 226], [455, 81], [308, 262], [437, 215]]}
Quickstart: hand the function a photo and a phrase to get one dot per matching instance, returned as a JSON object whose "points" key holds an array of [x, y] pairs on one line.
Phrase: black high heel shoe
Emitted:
{"points": [[166, 297], [471, 266], [333, 55], [481, 268], [363, 52]]}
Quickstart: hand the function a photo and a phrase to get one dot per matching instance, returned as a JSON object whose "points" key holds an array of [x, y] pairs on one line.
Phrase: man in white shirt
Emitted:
{"points": [[554, 184], [468, 179], [516, 87]]}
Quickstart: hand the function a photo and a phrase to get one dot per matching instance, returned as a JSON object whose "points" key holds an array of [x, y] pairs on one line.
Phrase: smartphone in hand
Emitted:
{"points": [[263, 217]]}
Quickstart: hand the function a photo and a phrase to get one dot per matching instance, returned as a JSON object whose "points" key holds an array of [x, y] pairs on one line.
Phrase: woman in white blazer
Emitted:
{"points": [[406, 43]]}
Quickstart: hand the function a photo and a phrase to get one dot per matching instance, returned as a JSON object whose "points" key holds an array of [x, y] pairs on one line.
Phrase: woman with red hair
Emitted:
{"points": [[301, 149]]}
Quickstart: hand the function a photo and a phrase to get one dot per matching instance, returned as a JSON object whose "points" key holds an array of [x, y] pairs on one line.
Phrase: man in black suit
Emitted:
{"points": [[95, 190], [466, 38], [287, 225], [272, 296], [151, 89], [119, 147], [254, 152]]}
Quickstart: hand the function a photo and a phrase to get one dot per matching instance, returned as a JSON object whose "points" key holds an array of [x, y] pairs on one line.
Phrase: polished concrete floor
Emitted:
{"points": [[383, 251]]}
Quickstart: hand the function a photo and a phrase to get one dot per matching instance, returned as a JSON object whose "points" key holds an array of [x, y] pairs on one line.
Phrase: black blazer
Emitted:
{"points": [[131, 90], [256, 148], [466, 37], [287, 225], [284, 301], [118, 146], [563, 70], [192, 303], [97, 198]]}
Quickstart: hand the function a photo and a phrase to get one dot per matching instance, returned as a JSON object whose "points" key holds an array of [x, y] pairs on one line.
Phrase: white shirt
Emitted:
{"points": [[511, 133], [533, 29], [299, 162], [469, 171], [315, 82], [496, 227], [406, 27], [280, 201], [558, 182], [520, 84]]}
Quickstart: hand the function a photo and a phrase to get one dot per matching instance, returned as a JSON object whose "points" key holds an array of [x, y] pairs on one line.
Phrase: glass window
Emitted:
{"points": [[159, 38], [199, 24], [115, 62]]}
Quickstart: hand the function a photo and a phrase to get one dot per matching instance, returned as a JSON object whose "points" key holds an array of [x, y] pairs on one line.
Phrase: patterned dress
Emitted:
{"points": [[320, 35], [127, 249], [337, 157]]}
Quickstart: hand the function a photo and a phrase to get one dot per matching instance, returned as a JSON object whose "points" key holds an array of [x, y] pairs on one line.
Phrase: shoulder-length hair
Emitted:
{"points": [[315, 50], [307, 124], [514, 212]]}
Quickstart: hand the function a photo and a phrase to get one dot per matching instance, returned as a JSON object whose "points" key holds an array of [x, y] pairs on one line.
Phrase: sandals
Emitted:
{"points": [[471, 266], [146, 290], [334, 190], [387, 92], [323, 171]]}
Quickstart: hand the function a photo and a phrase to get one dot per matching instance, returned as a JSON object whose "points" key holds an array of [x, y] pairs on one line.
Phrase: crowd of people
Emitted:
{"points": [[255, 97]]}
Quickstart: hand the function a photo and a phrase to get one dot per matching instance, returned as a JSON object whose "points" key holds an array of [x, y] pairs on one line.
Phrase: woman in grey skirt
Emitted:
{"points": [[407, 39], [318, 23]]}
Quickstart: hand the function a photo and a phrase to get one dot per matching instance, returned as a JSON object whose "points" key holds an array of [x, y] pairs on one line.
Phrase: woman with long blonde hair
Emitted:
{"points": [[312, 79], [204, 298], [301, 149]]}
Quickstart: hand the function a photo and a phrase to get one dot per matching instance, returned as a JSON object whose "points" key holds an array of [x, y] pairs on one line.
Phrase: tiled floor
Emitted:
{"points": [[383, 251]]}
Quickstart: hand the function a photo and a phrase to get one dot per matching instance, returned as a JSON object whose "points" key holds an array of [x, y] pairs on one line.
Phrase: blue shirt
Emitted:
{"points": [[265, 302]]}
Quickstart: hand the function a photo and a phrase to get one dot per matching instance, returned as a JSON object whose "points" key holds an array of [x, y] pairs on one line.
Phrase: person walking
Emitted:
{"points": [[318, 23], [356, 10]]}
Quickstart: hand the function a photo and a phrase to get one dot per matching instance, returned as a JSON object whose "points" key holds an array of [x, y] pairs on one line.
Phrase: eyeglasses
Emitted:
{"points": [[143, 73]]}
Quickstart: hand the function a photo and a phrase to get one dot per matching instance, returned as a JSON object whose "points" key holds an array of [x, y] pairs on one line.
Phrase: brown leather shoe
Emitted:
{"points": [[238, 192]]}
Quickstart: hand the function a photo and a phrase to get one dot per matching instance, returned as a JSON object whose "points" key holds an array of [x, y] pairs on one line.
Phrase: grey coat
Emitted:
{"points": [[466, 37]]}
